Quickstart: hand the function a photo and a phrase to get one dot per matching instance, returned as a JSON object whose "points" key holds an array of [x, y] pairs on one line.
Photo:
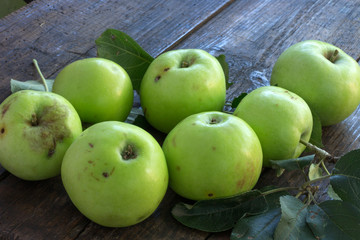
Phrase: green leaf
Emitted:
{"points": [[292, 223], [332, 194], [16, 85], [225, 67], [216, 215], [315, 171], [261, 226], [345, 179], [237, 100], [316, 134], [334, 219], [122, 49], [293, 164]]}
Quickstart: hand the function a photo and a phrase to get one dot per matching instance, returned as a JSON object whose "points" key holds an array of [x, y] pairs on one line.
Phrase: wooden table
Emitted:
{"points": [[251, 33]]}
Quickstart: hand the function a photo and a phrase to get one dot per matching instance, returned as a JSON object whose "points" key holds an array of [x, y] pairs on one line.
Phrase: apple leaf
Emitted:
{"points": [[315, 171], [237, 100], [334, 219], [260, 226], [332, 194], [225, 67], [293, 164], [345, 179], [292, 223], [316, 134], [216, 215], [16, 85], [122, 49]]}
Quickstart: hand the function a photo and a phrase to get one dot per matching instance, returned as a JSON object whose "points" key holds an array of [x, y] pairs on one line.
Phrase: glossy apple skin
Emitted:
{"points": [[280, 119], [170, 92], [99, 89], [332, 90], [209, 160], [105, 187], [36, 129]]}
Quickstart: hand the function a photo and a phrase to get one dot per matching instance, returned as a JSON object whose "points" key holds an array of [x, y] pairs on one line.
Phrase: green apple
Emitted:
{"points": [[280, 119], [212, 155], [36, 129], [99, 89], [115, 173], [179, 83], [323, 75]]}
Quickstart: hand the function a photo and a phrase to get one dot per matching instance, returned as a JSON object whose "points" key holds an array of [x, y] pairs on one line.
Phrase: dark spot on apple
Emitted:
{"points": [[90, 161], [52, 148], [178, 168], [5, 109], [46, 128], [96, 178], [210, 194], [157, 78], [91, 145], [213, 148], [105, 174], [112, 171], [166, 69], [2, 131], [240, 183], [128, 152]]}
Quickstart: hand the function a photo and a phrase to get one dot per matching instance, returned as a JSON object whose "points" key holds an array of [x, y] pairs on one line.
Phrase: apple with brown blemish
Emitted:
{"points": [[180, 83], [115, 173], [281, 119], [212, 155], [36, 129]]}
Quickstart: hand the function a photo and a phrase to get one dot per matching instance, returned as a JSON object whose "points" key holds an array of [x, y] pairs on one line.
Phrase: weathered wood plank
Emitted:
{"points": [[58, 32]]}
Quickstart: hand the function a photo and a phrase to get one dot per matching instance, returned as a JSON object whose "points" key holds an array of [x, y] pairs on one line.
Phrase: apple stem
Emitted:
{"points": [[322, 153], [334, 56], [41, 75]]}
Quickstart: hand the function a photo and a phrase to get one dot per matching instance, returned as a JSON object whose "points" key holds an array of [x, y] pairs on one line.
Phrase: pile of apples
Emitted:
{"points": [[117, 174]]}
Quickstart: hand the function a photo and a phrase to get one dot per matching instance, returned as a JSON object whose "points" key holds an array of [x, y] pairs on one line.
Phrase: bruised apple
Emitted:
{"points": [[115, 173]]}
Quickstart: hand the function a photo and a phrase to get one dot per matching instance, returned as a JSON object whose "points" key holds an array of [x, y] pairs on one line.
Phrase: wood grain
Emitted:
{"points": [[252, 34]]}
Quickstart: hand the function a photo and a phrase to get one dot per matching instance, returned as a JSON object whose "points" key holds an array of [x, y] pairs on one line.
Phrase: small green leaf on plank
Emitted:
{"points": [[315, 171], [345, 179], [334, 219], [216, 215], [16, 85], [235, 102], [292, 223], [225, 67], [293, 164], [122, 49]]}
